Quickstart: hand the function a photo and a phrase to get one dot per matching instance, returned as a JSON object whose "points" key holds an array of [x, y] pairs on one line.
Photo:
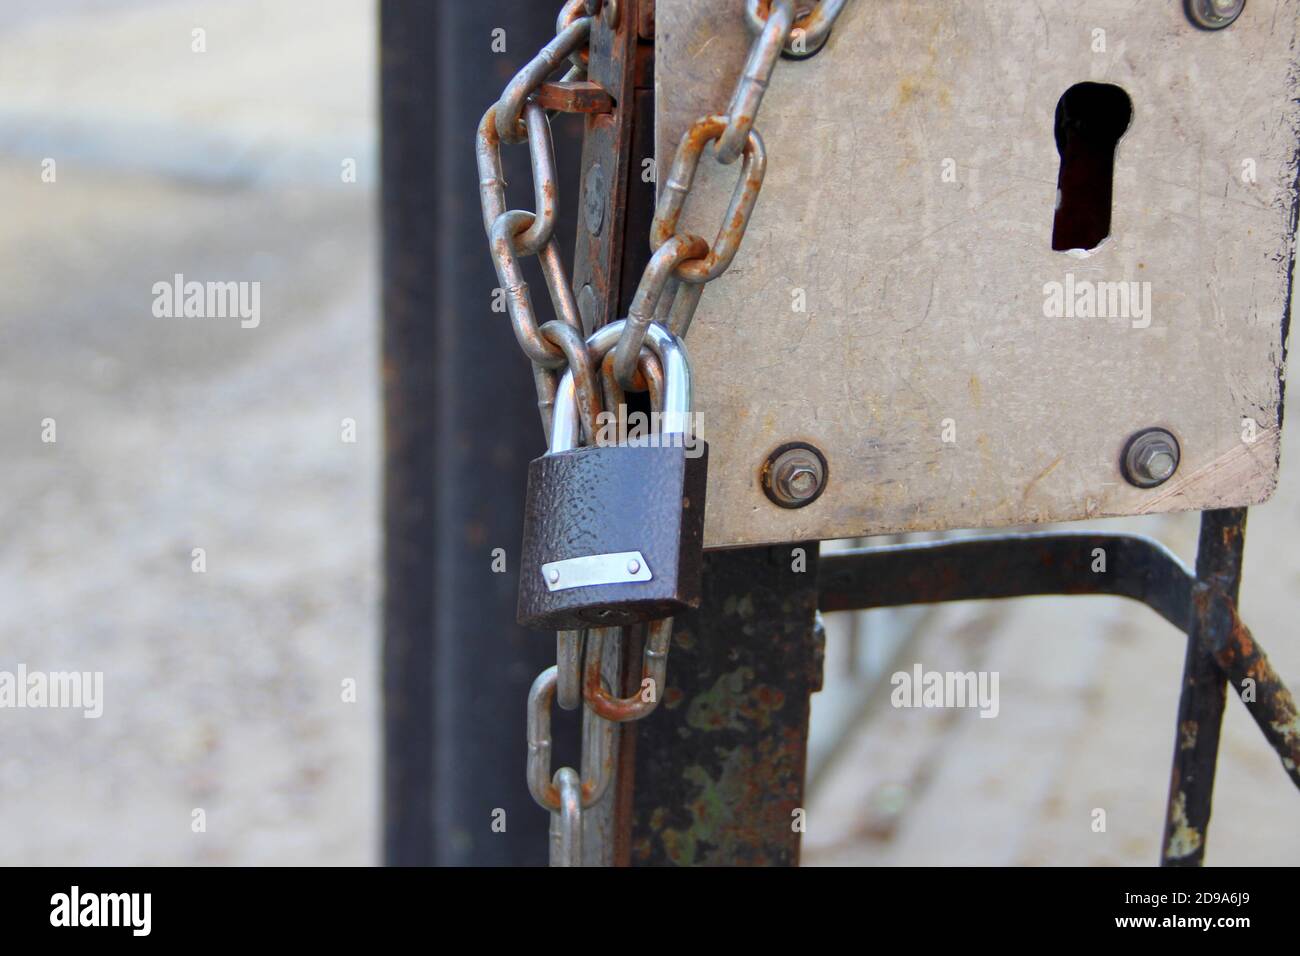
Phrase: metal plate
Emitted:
{"points": [[620, 567], [926, 299]]}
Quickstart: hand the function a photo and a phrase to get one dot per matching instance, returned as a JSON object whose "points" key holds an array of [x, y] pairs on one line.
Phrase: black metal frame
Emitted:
{"points": [[1220, 649], [460, 427], [720, 765]]}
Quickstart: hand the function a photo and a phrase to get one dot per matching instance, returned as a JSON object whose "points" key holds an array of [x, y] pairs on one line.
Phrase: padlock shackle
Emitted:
{"points": [[678, 400]]}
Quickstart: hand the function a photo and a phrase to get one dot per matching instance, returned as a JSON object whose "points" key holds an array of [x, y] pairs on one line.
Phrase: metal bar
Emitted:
{"points": [[602, 232], [605, 160], [460, 426], [621, 260], [1200, 706], [720, 764], [1219, 646], [1247, 669], [640, 191], [622, 807], [574, 96], [1007, 566]]}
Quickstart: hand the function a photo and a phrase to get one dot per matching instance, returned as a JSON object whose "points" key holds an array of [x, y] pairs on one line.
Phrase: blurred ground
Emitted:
{"points": [[223, 689]]}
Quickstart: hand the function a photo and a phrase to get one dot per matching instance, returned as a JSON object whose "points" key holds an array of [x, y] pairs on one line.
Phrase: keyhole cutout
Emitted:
{"points": [[1090, 120]]}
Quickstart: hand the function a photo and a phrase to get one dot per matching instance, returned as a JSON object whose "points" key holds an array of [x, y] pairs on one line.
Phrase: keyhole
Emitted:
{"points": [[1090, 119]]}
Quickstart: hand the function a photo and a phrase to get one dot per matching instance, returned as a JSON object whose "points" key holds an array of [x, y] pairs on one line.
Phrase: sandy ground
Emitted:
{"points": [[224, 689]]}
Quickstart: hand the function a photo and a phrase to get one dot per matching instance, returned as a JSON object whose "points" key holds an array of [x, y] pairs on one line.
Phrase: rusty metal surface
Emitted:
{"points": [[639, 215], [1202, 700], [606, 160], [720, 765], [574, 96], [925, 298], [1008, 566], [646, 20], [600, 829], [1248, 671]]}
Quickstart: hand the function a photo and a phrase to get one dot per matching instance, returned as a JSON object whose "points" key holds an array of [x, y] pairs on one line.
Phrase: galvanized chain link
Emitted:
{"points": [[668, 294], [597, 757]]}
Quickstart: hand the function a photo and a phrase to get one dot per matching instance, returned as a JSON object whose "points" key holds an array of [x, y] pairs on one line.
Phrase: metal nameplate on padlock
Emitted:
{"points": [[1012, 262], [614, 534], [621, 567]]}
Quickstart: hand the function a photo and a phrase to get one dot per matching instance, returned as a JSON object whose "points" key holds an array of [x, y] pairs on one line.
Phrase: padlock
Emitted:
{"points": [[614, 534]]}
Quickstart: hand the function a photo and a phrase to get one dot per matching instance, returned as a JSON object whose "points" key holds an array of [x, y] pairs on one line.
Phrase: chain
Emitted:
{"points": [[668, 294]]}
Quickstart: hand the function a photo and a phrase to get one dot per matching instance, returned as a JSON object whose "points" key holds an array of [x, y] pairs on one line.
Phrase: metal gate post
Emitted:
{"points": [[1204, 694], [720, 765], [460, 425]]}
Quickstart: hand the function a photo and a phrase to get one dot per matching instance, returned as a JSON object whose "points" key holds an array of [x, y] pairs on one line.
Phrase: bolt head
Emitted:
{"points": [[553, 576], [1214, 14], [1159, 463], [1150, 458], [794, 476], [633, 566], [801, 482]]}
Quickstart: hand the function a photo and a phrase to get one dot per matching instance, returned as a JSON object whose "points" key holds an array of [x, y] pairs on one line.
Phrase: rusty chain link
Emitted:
{"points": [[654, 668], [527, 81], [748, 95], [809, 32], [595, 377]]}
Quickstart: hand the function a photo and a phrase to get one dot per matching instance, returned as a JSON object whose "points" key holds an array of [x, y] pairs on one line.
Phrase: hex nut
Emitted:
{"points": [[794, 475], [1150, 458]]}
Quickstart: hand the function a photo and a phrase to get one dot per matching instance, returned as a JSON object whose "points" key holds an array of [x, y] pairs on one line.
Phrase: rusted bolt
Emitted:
{"points": [[1214, 14], [1150, 458], [798, 479], [794, 475]]}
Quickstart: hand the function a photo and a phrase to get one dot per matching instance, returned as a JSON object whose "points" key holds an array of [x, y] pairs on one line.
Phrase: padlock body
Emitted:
{"points": [[597, 502]]}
